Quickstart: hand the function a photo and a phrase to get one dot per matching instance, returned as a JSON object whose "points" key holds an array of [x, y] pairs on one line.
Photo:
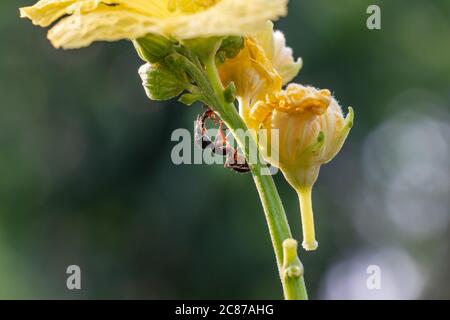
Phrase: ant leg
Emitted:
{"points": [[200, 136], [237, 163], [220, 146]]}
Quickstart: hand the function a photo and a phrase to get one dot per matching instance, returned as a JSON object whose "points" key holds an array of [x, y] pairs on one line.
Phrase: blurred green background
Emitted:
{"points": [[86, 176]]}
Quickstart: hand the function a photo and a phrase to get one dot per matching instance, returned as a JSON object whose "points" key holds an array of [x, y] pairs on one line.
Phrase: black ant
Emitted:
{"points": [[219, 146]]}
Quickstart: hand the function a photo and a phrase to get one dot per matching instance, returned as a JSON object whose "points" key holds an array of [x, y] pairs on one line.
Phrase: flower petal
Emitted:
{"points": [[110, 20], [253, 75], [229, 17], [283, 59], [104, 23], [45, 12], [281, 56]]}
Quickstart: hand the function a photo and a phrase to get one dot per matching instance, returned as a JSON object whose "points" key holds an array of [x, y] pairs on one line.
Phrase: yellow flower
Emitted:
{"points": [[253, 75], [310, 123], [312, 130], [78, 23], [263, 66]]}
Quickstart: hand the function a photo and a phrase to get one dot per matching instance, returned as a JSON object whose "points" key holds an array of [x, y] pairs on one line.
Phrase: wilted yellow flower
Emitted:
{"points": [[263, 66], [310, 122], [78, 23], [312, 130], [253, 75]]}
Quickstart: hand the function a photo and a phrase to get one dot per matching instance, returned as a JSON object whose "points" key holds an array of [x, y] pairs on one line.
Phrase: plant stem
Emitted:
{"points": [[292, 270], [293, 286], [212, 90]]}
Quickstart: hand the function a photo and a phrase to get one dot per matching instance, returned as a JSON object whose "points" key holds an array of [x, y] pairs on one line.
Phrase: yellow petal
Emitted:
{"points": [[229, 17], [253, 75], [45, 12], [265, 40], [190, 6], [85, 21], [260, 70], [283, 60], [105, 23], [295, 100], [281, 56]]}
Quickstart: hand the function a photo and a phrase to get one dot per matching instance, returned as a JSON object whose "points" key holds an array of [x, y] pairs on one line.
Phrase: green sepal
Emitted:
{"points": [[161, 83], [230, 48], [314, 148], [230, 93], [153, 48], [204, 48], [189, 98]]}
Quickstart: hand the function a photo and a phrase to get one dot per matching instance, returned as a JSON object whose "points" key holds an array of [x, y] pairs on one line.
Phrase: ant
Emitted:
{"points": [[219, 146]]}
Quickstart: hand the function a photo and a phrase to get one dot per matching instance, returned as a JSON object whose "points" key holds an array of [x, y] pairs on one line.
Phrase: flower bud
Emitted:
{"points": [[312, 130], [153, 48], [292, 267], [230, 48], [161, 83]]}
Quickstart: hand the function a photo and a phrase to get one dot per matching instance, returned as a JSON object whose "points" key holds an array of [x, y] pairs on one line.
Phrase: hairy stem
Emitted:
{"points": [[293, 286], [209, 83]]}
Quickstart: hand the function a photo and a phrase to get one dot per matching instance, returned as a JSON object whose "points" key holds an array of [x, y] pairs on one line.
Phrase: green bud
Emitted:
{"points": [[292, 267], [160, 83], [231, 46], [153, 48], [230, 93]]}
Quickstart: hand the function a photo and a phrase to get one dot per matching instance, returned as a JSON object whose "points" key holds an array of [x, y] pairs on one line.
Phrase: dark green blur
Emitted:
{"points": [[86, 176]]}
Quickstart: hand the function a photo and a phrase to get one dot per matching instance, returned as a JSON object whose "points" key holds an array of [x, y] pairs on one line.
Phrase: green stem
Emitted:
{"points": [[293, 287], [211, 86], [292, 271]]}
